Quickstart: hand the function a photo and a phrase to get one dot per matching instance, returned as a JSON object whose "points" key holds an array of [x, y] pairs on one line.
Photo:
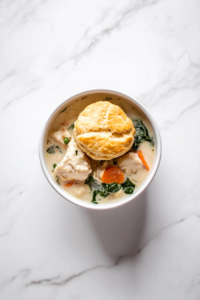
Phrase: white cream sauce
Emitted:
{"points": [[63, 122]]}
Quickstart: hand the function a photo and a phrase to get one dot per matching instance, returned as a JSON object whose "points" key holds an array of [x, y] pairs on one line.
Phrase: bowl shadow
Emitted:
{"points": [[120, 229]]}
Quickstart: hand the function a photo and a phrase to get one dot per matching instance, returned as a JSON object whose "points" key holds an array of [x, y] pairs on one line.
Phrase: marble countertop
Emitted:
{"points": [[51, 249]]}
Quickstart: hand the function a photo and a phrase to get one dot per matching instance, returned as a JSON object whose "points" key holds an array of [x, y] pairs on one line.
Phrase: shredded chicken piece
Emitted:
{"points": [[130, 163], [81, 188], [59, 135], [100, 170], [75, 165]]}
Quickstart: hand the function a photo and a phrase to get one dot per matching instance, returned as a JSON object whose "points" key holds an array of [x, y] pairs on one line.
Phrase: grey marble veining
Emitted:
{"points": [[148, 249]]}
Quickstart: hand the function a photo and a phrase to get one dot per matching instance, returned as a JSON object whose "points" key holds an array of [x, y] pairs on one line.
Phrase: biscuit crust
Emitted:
{"points": [[103, 131]]}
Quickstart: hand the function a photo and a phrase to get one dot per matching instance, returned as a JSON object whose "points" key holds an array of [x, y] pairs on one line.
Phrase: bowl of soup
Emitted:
{"points": [[126, 158]]}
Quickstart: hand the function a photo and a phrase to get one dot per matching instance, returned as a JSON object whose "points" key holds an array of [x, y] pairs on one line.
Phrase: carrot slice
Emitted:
{"points": [[69, 184], [112, 174], [141, 156]]}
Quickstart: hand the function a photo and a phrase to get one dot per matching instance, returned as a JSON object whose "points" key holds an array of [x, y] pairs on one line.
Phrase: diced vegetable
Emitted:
{"points": [[66, 140], [112, 174], [54, 166], [141, 156], [69, 184]]}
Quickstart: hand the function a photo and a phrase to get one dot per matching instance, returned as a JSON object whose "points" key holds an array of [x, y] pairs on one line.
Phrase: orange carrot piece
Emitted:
{"points": [[141, 156], [112, 174], [69, 184]]}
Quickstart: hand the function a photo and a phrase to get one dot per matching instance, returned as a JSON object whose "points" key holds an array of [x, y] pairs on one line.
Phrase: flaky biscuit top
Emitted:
{"points": [[103, 131]]}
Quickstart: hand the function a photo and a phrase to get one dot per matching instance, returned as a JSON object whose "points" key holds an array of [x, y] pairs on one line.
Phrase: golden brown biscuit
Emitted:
{"points": [[103, 131]]}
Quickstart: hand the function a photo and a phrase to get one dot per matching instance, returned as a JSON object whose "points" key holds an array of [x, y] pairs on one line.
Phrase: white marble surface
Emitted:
{"points": [[148, 249]]}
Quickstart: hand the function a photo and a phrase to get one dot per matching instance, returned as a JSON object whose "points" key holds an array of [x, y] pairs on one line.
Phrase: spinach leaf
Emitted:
{"points": [[103, 194], [92, 183], [71, 126], [102, 189], [141, 134], [52, 149], [95, 193], [89, 179], [128, 187], [111, 188], [128, 190], [105, 189]]}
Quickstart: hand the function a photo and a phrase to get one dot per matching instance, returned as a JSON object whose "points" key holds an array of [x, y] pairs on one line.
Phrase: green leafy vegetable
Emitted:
{"points": [[111, 188], [95, 193], [89, 179], [141, 134], [128, 187], [66, 140], [92, 183], [54, 165], [102, 189], [52, 149], [76, 151], [71, 126], [105, 189]]}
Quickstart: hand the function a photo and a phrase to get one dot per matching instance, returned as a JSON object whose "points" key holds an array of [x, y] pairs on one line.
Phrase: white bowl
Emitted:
{"points": [[119, 202]]}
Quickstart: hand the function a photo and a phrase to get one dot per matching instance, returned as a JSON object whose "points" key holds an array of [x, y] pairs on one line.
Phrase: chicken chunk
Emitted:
{"points": [[59, 135], [75, 165], [130, 162], [100, 170], [81, 189]]}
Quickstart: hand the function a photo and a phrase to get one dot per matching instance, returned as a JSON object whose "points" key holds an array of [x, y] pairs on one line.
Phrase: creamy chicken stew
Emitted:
{"points": [[84, 175]]}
